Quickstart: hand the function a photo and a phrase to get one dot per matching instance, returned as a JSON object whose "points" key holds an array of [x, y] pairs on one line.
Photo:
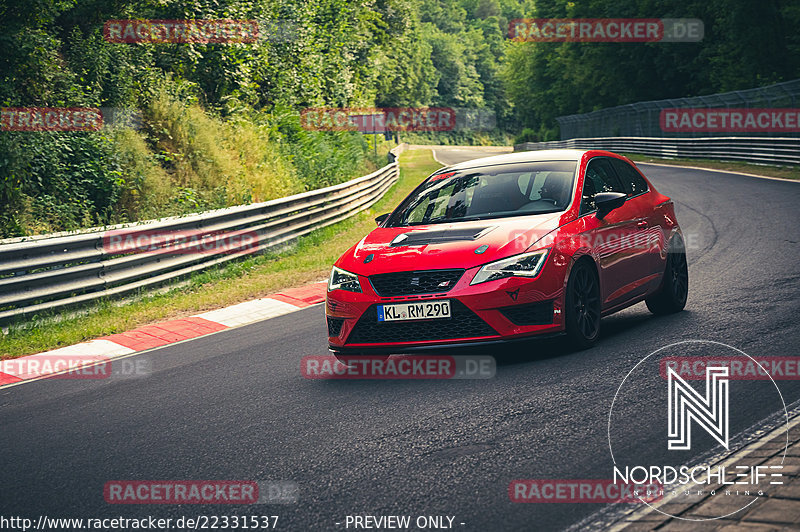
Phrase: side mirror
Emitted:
{"points": [[382, 218], [608, 201]]}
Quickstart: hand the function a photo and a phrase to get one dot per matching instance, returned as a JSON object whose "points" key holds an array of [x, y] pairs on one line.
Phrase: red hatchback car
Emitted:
{"points": [[506, 247]]}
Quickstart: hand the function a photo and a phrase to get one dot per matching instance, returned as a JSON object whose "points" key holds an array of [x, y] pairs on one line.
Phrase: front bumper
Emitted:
{"points": [[491, 312]]}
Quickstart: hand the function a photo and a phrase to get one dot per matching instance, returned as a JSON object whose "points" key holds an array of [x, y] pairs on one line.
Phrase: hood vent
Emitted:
{"points": [[422, 238]]}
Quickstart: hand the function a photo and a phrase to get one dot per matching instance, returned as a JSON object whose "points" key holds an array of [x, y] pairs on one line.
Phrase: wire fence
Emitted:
{"points": [[645, 119], [757, 150]]}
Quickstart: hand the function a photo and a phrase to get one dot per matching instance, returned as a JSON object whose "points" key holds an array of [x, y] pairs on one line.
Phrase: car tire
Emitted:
{"points": [[582, 306], [671, 296]]}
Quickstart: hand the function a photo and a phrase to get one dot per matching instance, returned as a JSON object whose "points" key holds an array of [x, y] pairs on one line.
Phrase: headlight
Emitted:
{"points": [[525, 265], [342, 280]]}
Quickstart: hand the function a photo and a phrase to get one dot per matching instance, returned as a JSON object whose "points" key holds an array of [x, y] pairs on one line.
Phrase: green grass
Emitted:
{"points": [[310, 260], [785, 172]]}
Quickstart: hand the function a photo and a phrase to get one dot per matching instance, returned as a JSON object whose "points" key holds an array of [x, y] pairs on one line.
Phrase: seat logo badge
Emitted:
{"points": [[513, 295], [685, 404], [415, 281]]}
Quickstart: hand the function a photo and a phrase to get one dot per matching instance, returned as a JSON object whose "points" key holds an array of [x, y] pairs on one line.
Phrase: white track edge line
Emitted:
{"points": [[150, 349], [721, 171]]}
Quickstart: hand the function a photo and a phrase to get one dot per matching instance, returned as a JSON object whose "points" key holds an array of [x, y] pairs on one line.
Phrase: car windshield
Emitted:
{"points": [[489, 192]]}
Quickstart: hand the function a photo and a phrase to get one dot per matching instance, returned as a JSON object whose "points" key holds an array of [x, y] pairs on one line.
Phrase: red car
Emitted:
{"points": [[508, 247]]}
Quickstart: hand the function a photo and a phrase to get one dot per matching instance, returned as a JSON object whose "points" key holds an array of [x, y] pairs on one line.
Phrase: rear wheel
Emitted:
{"points": [[582, 312], [671, 297]]}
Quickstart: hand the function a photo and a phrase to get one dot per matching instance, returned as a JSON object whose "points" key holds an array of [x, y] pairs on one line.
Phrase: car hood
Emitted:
{"points": [[453, 245]]}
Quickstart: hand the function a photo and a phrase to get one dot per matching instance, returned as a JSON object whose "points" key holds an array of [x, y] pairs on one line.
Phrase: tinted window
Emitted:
{"points": [[631, 179], [600, 177], [489, 192]]}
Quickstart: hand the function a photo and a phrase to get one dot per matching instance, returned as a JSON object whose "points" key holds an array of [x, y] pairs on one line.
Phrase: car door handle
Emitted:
{"points": [[642, 225]]}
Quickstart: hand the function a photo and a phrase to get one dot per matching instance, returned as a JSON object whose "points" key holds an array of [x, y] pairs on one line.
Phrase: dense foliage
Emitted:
{"points": [[221, 121], [746, 44]]}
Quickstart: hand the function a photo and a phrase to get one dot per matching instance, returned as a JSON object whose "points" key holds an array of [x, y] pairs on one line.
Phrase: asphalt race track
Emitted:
{"points": [[234, 405]]}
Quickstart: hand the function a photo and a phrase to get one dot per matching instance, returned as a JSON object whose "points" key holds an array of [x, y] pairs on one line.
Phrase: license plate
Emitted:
{"points": [[414, 311]]}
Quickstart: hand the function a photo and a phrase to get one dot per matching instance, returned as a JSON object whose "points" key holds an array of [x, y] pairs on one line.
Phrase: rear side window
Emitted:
{"points": [[631, 179]]}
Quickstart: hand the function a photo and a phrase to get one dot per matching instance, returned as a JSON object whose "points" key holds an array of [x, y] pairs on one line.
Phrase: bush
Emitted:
{"points": [[322, 158], [186, 159], [58, 181], [526, 135], [458, 138]]}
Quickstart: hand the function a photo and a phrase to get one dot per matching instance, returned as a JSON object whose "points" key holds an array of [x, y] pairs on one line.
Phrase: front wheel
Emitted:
{"points": [[672, 295], [582, 312]]}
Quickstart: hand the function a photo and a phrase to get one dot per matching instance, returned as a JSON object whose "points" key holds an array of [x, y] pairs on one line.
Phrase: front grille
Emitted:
{"points": [[335, 326], [463, 323], [530, 314], [418, 282]]}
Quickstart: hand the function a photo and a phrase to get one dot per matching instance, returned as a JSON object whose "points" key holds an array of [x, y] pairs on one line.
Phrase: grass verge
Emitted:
{"points": [[309, 260], [785, 172]]}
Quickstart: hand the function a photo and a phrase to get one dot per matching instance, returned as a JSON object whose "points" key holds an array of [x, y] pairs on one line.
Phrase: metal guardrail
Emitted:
{"points": [[52, 272], [759, 150]]}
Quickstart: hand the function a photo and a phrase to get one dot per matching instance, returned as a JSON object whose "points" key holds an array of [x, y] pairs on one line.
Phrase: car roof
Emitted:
{"points": [[522, 157]]}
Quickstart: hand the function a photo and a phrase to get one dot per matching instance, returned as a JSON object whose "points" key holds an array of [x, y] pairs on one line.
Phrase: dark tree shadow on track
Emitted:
{"points": [[612, 327]]}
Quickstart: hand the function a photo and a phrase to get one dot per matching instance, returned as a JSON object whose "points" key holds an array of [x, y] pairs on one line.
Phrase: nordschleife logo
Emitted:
{"points": [[710, 429], [685, 404]]}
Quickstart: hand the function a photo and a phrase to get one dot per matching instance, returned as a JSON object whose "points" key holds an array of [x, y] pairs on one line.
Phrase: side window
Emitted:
{"points": [[633, 182], [600, 177]]}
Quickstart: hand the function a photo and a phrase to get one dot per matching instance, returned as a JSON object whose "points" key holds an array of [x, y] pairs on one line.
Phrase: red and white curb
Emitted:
{"points": [[160, 334]]}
